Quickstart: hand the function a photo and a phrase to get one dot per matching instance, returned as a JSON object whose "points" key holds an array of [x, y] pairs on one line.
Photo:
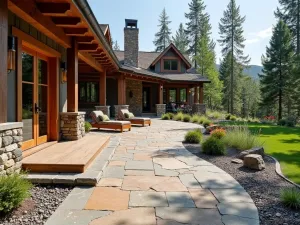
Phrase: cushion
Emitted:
{"points": [[131, 116], [95, 116], [115, 122], [128, 115], [103, 118]]}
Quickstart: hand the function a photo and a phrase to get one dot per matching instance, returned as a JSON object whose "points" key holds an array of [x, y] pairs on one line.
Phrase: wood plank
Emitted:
{"points": [[53, 8], [102, 89], [72, 77], [3, 60], [75, 31], [90, 47], [73, 156], [28, 11], [87, 58], [19, 80], [84, 39], [66, 21], [36, 149]]}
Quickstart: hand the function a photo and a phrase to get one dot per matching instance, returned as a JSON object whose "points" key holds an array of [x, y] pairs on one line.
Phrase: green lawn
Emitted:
{"points": [[283, 143]]}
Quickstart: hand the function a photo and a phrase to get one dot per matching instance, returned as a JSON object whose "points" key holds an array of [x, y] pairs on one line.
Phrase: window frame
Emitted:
{"points": [[87, 88], [171, 59]]}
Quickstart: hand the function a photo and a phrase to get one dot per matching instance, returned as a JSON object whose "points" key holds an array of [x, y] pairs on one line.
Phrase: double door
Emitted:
{"points": [[35, 110]]}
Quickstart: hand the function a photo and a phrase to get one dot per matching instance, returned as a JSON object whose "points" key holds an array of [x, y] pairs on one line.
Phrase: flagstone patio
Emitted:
{"points": [[153, 180]]}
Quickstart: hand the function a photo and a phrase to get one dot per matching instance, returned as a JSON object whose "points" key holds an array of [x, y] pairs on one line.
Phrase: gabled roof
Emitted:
{"points": [[104, 27], [172, 46]]}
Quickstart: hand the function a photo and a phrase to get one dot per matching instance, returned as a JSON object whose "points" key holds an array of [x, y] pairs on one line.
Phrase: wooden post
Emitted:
{"points": [[160, 94], [3, 60], [121, 90], [201, 97], [102, 87], [188, 93], [72, 77], [196, 94]]}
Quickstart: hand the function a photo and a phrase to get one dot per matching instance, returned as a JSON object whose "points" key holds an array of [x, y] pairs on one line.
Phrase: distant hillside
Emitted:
{"points": [[252, 71]]}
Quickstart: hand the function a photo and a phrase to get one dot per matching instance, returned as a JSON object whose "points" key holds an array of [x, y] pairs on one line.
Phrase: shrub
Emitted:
{"points": [[87, 127], [241, 138], [281, 122], [165, 116], [227, 116], [290, 197], [214, 114], [178, 116], [206, 123], [14, 189], [202, 119], [195, 118], [233, 118], [218, 133], [171, 115], [291, 121], [194, 136], [186, 118], [213, 146]]}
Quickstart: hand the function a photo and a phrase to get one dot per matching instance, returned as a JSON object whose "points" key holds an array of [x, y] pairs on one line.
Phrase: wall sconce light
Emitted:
{"points": [[161, 87], [11, 54], [130, 94], [63, 67]]}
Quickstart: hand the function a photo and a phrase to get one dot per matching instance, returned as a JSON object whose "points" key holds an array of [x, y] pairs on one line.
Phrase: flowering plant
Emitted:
{"points": [[218, 133]]}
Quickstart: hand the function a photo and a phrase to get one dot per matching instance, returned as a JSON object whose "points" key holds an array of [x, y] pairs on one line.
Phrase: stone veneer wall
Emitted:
{"points": [[11, 137], [199, 108], [160, 109], [131, 46], [118, 113], [136, 101], [72, 125], [104, 109]]}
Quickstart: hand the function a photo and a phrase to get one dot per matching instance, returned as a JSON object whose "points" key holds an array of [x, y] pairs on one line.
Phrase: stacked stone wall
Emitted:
{"points": [[199, 108], [134, 96], [160, 109], [72, 125]]}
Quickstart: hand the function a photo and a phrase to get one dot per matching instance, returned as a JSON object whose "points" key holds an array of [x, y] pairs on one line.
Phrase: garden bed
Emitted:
{"points": [[263, 186], [39, 207]]}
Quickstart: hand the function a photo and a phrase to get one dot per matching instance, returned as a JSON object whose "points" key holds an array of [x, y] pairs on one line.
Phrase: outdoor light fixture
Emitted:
{"points": [[11, 54], [161, 87], [63, 67]]}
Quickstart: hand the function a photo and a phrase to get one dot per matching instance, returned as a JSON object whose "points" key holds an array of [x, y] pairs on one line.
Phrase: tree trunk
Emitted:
{"points": [[232, 55], [298, 27]]}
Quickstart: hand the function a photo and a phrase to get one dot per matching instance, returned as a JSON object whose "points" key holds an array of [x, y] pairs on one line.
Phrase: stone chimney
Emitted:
{"points": [[131, 43]]}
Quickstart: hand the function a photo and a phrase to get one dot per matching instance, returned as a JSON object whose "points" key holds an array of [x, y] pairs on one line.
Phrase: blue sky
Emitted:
{"points": [[257, 28]]}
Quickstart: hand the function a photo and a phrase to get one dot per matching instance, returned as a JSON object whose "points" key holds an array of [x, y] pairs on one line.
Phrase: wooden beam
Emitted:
{"points": [[160, 93], [87, 58], [52, 8], [102, 88], [19, 80], [27, 11], [201, 96], [84, 39], [72, 77], [3, 60], [75, 31], [121, 90], [196, 94], [87, 47], [66, 21]]}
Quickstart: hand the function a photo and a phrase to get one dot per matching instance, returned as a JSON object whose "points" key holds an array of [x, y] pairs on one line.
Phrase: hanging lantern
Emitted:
{"points": [[11, 54]]}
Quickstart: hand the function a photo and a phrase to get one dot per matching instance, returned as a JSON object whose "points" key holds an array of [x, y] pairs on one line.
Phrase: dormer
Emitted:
{"points": [[170, 61], [106, 31]]}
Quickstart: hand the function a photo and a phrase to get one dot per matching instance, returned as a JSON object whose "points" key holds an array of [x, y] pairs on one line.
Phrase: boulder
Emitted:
{"points": [[254, 161], [256, 151], [237, 161]]}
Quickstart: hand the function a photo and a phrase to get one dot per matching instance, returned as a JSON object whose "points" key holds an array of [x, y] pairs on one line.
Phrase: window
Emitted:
{"points": [[171, 64], [183, 95], [89, 92], [172, 95]]}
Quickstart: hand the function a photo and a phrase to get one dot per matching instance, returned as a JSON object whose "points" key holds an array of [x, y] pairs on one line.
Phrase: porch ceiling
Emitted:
{"points": [[62, 20]]}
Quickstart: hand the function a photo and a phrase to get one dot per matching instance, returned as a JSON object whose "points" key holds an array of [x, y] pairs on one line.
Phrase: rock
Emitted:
{"points": [[0, 141], [7, 140], [8, 133], [1, 168], [15, 132], [10, 148], [17, 139], [254, 161], [2, 150], [9, 155], [9, 164], [278, 214], [237, 161], [10, 170], [18, 159], [257, 151], [17, 152], [20, 132], [3, 159]]}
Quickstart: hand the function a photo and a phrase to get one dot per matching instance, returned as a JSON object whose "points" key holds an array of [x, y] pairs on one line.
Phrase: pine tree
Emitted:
{"points": [[277, 77], [162, 37], [250, 96], [116, 46], [196, 18], [232, 41], [180, 40]]}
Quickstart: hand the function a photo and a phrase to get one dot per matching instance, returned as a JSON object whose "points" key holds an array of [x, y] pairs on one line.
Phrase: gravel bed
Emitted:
{"points": [[263, 187], [39, 207]]}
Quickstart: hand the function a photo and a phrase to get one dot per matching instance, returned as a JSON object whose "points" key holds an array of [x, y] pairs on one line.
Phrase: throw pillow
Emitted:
{"points": [[131, 116], [100, 118], [105, 118], [126, 115]]}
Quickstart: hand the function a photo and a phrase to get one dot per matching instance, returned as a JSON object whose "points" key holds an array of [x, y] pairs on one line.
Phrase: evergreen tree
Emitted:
{"points": [[250, 97], [232, 41], [162, 37], [116, 46], [180, 40], [197, 18], [277, 78]]}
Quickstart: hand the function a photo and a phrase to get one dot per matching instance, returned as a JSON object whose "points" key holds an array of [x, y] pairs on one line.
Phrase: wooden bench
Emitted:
{"points": [[114, 125]]}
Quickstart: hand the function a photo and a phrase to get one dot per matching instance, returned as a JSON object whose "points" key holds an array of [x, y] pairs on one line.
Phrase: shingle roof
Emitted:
{"points": [[103, 27]]}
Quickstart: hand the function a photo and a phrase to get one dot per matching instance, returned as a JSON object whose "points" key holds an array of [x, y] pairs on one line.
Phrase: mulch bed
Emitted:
{"points": [[263, 187], [39, 207]]}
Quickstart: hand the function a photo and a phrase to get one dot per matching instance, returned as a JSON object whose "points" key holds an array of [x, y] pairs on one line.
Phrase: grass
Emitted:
{"points": [[283, 143], [290, 197]]}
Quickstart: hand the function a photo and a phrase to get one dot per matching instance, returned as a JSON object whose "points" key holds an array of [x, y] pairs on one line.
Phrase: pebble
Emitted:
{"points": [[278, 214]]}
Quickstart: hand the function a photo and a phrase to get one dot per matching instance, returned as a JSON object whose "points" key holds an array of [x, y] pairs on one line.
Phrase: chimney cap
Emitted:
{"points": [[130, 23]]}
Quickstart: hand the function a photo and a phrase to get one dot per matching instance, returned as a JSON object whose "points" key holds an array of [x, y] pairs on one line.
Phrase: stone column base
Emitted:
{"points": [[160, 109], [11, 137], [104, 109], [72, 125], [118, 113], [199, 108]]}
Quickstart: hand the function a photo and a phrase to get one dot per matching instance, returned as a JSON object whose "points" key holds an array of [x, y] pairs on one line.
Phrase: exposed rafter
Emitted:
{"points": [[84, 39], [53, 8], [87, 47], [66, 21], [75, 31]]}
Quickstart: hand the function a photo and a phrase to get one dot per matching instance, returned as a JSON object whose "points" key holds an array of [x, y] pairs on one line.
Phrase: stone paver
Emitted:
{"points": [[180, 200], [147, 199], [151, 179], [106, 198], [134, 216]]}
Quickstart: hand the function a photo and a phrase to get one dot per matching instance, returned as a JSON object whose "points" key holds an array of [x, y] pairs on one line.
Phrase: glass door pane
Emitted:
{"points": [[42, 106], [27, 96]]}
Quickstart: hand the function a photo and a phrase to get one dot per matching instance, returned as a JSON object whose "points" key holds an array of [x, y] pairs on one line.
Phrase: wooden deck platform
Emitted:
{"points": [[70, 157]]}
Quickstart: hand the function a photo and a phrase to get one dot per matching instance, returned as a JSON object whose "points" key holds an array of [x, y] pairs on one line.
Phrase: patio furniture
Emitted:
{"points": [[114, 125], [135, 120]]}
